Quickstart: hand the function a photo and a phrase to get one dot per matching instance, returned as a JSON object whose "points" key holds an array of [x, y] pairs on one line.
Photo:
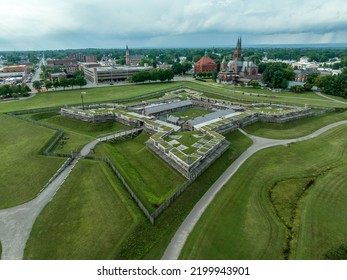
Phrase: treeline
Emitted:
{"points": [[64, 83], [334, 85], [170, 56], [7, 91], [277, 74], [154, 75]]}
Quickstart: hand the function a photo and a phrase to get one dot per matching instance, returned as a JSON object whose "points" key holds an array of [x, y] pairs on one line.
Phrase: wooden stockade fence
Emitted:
{"points": [[125, 184], [121, 135]]}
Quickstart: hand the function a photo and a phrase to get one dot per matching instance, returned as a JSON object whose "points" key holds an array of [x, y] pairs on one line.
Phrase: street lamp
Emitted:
{"points": [[82, 93]]}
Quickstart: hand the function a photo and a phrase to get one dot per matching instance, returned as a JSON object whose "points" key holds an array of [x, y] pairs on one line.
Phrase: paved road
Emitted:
{"points": [[174, 249], [16, 222]]}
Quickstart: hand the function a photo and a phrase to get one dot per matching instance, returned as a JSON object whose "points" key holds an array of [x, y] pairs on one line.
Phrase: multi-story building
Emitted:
{"points": [[237, 67], [66, 65], [205, 64], [111, 74]]}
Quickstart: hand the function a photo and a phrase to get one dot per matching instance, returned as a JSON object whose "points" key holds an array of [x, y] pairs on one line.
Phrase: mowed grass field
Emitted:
{"points": [[102, 94], [77, 133], [245, 221], [142, 241], [148, 175], [286, 98], [97, 94], [22, 162], [191, 113], [89, 217], [296, 128], [81, 223]]}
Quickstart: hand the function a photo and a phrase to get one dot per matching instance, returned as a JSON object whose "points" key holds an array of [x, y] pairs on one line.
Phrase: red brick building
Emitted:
{"points": [[205, 64]]}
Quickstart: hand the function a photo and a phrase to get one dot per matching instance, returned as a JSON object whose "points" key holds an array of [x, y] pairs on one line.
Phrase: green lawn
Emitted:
{"points": [[150, 242], [324, 226], [150, 177], [286, 98], [89, 218], [191, 113], [296, 128], [80, 221], [242, 222], [99, 94], [77, 133], [21, 145]]}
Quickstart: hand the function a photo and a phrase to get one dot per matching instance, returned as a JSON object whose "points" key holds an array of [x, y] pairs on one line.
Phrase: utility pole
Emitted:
{"points": [[82, 93]]}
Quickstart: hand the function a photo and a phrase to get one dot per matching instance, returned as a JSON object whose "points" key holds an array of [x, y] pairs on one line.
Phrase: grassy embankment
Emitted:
{"points": [[289, 208], [296, 128], [77, 133], [147, 241], [68, 97], [88, 219], [21, 145], [102, 94], [146, 173], [285, 98], [142, 241]]}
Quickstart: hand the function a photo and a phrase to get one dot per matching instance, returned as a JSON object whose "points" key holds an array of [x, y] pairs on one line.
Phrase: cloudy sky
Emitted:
{"points": [[61, 24]]}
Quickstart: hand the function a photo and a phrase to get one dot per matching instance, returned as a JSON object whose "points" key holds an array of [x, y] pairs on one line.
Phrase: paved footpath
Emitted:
{"points": [[177, 242], [16, 223]]}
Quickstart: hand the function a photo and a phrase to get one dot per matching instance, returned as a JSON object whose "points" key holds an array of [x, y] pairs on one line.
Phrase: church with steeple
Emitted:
{"points": [[239, 67]]}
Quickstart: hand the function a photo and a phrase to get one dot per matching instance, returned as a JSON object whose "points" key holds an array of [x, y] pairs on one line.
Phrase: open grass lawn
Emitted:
{"points": [[286, 98], [150, 242], [323, 212], [150, 177], [243, 222], [296, 128], [77, 133], [89, 217], [22, 165], [191, 113], [98, 94], [93, 217]]}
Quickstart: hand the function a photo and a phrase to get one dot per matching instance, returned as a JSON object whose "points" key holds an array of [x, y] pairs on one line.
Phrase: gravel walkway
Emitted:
{"points": [[177, 242], [16, 223]]}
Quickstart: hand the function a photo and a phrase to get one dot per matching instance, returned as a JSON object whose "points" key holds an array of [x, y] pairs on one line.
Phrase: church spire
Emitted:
{"points": [[127, 56], [238, 45], [238, 50]]}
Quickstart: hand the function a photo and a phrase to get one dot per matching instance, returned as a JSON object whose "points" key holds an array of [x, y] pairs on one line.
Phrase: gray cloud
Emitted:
{"points": [[89, 23]]}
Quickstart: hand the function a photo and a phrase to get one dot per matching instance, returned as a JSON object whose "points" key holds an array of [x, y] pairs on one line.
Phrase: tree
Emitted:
{"points": [[72, 82], [214, 75], [80, 81], [186, 66], [37, 85], [254, 84], [56, 84], [48, 84], [169, 74], [78, 73], [311, 78], [177, 68], [144, 61], [161, 75], [64, 83], [277, 74]]}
